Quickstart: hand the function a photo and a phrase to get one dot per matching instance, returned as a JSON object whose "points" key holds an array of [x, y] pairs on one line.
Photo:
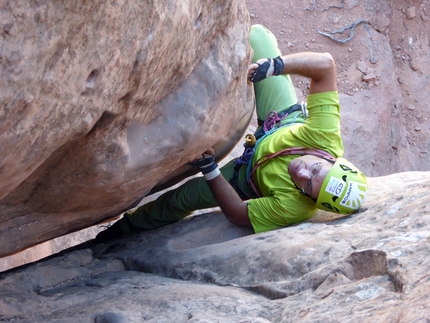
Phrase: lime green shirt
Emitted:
{"points": [[282, 203]]}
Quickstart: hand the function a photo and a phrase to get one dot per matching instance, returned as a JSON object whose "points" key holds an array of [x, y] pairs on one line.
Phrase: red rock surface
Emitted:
{"points": [[103, 101]]}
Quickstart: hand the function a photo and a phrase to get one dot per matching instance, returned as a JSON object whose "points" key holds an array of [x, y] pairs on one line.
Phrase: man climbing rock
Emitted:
{"points": [[291, 167]]}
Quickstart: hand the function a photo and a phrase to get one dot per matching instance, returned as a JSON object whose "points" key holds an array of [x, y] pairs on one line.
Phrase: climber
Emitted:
{"points": [[291, 167]]}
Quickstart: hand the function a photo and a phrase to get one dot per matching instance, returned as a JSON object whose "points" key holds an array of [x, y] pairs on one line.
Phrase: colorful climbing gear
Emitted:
{"points": [[344, 189], [272, 123]]}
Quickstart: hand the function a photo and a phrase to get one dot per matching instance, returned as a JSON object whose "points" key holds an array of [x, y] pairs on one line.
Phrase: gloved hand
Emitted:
{"points": [[207, 166], [267, 67]]}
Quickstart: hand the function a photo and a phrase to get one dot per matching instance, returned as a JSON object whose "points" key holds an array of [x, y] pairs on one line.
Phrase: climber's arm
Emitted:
{"points": [[319, 67], [235, 210]]}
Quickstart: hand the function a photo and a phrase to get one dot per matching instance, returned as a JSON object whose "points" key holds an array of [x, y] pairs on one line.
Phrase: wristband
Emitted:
{"points": [[212, 174], [278, 64], [205, 164], [208, 168], [267, 67]]}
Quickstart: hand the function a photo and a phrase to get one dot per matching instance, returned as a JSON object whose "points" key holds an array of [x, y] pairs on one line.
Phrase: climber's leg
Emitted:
{"points": [[274, 93], [168, 208]]}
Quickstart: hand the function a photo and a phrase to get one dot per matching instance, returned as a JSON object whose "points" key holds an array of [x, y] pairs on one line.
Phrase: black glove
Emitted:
{"points": [[207, 166], [267, 67]]}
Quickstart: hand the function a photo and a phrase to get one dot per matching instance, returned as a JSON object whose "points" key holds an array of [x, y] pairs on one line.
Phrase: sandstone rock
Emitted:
{"points": [[374, 118], [423, 10], [362, 67], [371, 266], [106, 101], [411, 12]]}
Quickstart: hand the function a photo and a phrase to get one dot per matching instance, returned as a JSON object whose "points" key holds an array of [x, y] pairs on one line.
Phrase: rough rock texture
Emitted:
{"points": [[372, 266], [103, 101], [383, 80]]}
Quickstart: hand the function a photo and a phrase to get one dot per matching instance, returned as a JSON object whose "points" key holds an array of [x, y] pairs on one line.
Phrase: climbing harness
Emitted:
{"points": [[267, 127], [284, 113], [274, 119]]}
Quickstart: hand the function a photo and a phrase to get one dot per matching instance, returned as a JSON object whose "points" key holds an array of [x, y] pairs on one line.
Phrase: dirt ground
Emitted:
{"points": [[382, 66], [296, 24]]}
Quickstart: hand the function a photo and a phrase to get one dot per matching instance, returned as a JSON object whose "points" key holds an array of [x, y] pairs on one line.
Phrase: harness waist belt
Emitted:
{"points": [[293, 108]]}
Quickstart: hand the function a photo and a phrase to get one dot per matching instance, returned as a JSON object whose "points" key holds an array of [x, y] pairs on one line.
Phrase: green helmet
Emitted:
{"points": [[344, 188]]}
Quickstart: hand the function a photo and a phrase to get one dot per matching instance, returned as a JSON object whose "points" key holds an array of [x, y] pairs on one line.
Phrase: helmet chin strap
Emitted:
{"points": [[304, 193], [310, 151], [330, 161], [284, 152]]}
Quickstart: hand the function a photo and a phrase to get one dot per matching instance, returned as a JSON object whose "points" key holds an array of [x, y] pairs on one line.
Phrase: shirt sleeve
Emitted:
{"points": [[322, 128], [279, 210]]}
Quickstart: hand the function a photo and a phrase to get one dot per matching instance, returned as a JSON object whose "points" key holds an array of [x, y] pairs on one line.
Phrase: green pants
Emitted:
{"points": [[176, 204], [275, 93]]}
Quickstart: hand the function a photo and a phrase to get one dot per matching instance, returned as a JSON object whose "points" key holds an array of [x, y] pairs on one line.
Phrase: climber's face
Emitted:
{"points": [[308, 173]]}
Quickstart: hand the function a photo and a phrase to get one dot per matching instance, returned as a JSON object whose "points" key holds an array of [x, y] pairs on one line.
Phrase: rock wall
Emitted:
{"points": [[372, 266], [103, 102], [383, 83]]}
